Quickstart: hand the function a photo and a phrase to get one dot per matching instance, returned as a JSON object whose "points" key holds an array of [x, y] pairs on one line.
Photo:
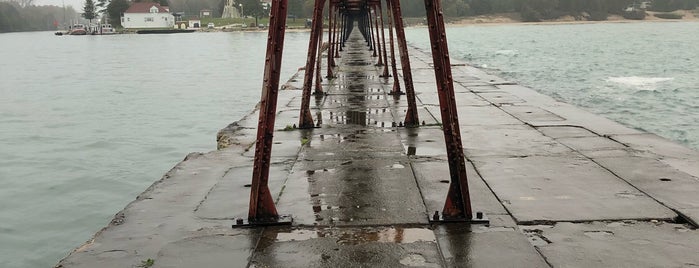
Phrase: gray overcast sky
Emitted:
{"points": [[77, 4]]}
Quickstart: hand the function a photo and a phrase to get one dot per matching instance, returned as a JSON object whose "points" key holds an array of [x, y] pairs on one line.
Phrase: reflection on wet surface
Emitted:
{"points": [[356, 236]]}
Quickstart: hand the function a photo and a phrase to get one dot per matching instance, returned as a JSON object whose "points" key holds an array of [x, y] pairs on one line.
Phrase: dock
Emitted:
{"points": [[559, 186]]}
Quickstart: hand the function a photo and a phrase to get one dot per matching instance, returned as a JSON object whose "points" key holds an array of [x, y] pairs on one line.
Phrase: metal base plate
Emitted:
{"points": [[478, 218], [281, 220]]}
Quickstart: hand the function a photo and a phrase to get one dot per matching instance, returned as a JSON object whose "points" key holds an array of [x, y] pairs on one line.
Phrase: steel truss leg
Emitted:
{"points": [[262, 210], [305, 117], [378, 38], [374, 31], [338, 28], [396, 81], [411, 117], [319, 80], [383, 43], [458, 203], [331, 40]]}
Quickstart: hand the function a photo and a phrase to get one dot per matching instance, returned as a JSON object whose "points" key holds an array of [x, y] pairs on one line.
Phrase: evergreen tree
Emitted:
{"points": [[102, 6], [115, 9], [89, 10]]}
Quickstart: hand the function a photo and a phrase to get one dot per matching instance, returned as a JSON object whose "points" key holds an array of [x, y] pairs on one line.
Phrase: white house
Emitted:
{"points": [[147, 15]]}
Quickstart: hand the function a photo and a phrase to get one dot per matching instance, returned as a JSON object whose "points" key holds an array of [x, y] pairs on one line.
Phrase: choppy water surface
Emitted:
{"points": [[87, 123], [644, 75]]}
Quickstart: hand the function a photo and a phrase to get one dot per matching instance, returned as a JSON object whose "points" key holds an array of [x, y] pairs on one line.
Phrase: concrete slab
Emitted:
{"points": [[508, 140], [354, 193], [423, 141], [208, 251], [463, 99], [159, 217], [230, 197], [528, 113], [479, 116], [564, 188], [621, 244], [348, 247], [433, 179], [286, 145], [557, 132], [591, 143], [369, 117], [497, 247], [424, 116], [656, 144], [354, 143], [669, 186], [500, 98], [479, 88]]}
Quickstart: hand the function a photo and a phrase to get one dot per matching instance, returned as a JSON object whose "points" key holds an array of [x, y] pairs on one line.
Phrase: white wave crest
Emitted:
{"points": [[646, 83], [506, 52]]}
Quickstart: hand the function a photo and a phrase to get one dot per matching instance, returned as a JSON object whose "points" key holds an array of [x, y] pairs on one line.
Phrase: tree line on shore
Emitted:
{"points": [[22, 15], [16, 16], [530, 10], [538, 10]]}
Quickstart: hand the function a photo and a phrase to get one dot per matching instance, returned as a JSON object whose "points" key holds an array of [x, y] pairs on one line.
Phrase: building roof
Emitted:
{"points": [[145, 8]]}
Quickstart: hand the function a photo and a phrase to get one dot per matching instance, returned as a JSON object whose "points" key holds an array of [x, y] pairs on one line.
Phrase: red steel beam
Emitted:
{"points": [[305, 117], [262, 208], [338, 27], [378, 39], [383, 42], [370, 26], [331, 41], [319, 80], [458, 202], [411, 117], [396, 81]]}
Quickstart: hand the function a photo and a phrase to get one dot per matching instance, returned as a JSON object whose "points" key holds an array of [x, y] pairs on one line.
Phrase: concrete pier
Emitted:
{"points": [[562, 187]]}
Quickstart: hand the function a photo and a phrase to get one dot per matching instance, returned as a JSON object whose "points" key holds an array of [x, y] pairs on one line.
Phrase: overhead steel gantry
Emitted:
{"points": [[369, 18]]}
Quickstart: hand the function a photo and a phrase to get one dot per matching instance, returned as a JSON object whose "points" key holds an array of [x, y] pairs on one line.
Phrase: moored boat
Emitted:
{"points": [[102, 29], [77, 29]]}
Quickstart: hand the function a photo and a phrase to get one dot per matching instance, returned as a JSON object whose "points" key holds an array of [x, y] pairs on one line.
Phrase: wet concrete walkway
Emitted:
{"points": [[562, 187]]}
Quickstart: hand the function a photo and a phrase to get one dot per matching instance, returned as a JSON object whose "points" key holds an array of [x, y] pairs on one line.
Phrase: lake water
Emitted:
{"points": [[644, 75], [87, 123]]}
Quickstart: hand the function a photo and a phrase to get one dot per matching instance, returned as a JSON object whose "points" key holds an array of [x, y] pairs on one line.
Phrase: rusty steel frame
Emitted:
{"points": [[383, 43], [305, 117], [411, 116], [319, 80], [343, 26], [262, 209], [378, 38], [331, 47], [338, 26], [394, 69], [361, 22], [457, 206], [372, 32]]}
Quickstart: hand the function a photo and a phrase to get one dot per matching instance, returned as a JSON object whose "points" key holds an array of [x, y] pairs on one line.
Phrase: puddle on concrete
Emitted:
{"points": [[416, 260], [600, 235], [296, 235], [353, 236], [397, 166], [535, 234]]}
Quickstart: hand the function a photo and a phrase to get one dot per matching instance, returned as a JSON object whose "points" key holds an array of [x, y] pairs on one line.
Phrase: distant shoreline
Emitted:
{"points": [[514, 18]]}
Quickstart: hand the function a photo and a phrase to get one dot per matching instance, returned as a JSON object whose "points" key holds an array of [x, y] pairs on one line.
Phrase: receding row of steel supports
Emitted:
{"points": [[368, 15]]}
